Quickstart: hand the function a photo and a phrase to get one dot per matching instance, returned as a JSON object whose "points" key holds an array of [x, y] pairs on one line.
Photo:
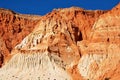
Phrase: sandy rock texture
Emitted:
{"points": [[13, 28], [65, 44]]}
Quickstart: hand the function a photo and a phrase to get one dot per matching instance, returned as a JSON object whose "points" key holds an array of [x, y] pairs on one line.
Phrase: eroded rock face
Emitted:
{"points": [[101, 54], [13, 28], [35, 66], [92, 66], [68, 44]]}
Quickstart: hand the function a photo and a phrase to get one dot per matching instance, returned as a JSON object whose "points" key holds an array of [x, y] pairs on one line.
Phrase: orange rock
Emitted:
{"points": [[13, 28], [82, 44]]}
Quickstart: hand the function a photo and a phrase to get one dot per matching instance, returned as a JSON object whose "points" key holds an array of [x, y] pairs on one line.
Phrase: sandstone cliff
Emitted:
{"points": [[13, 28], [66, 44]]}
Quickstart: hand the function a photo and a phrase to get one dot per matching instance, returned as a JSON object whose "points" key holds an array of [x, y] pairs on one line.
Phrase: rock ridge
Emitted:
{"points": [[13, 28], [67, 44]]}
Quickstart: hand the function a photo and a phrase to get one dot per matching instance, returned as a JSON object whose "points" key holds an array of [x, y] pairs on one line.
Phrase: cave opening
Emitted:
{"points": [[77, 34]]}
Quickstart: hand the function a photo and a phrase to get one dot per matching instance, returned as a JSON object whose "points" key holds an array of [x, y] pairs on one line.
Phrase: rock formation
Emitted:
{"points": [[66, 44], [13, 28]]}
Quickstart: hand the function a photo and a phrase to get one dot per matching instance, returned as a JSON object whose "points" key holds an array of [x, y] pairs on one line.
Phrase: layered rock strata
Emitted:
{"points": [[13, 28], [68, 44]]}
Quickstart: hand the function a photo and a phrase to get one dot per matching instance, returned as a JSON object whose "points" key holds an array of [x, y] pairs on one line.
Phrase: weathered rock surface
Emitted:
{"points": [[68, 44], [13, 28], [101, 53], [33, 66]]}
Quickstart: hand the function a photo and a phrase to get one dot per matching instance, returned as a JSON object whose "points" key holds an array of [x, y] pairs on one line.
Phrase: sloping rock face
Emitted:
{"points": [[101, 54], [68, 44], [13, 28], [32, 65]]}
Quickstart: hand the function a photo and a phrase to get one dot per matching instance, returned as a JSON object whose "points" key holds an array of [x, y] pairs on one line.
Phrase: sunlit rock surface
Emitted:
{"points": [[67, 44], [13, 28]]}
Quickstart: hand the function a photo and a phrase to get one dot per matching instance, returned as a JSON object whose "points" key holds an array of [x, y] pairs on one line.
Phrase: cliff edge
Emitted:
{"points": [[65, 44]]}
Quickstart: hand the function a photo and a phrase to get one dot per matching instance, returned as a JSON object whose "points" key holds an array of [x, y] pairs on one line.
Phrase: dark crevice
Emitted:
{"points": [[80, 38], [77, 34], [108, 40], [1, 59], [107, 79]]}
